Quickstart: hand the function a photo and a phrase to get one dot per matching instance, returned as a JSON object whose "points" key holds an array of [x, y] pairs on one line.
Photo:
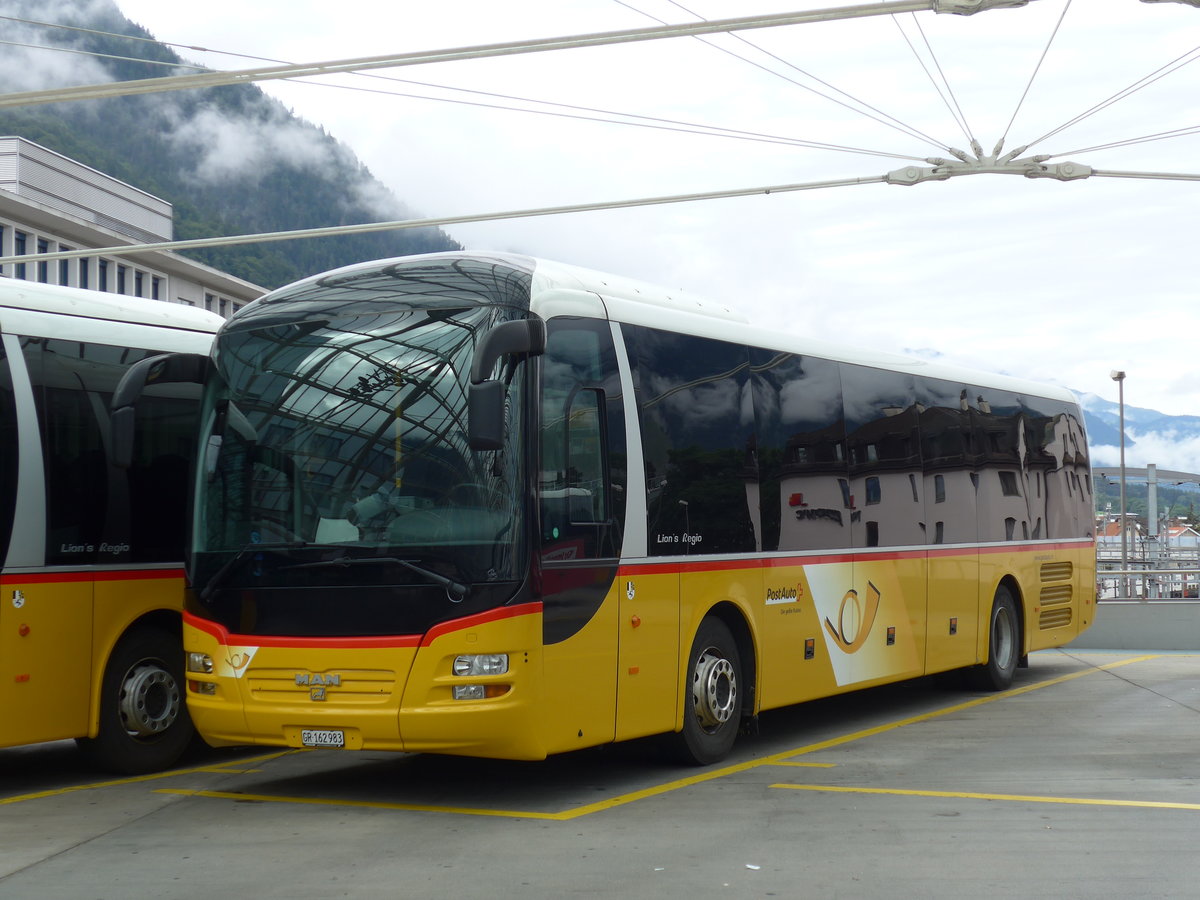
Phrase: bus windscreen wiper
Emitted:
{"points": [[457, 590], [218, 577]]}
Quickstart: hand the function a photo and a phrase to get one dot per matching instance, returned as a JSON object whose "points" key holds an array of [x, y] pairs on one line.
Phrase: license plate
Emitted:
{"points": [[322, 737]]}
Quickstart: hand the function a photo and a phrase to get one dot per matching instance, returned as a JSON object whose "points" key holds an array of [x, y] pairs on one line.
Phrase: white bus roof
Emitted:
{"points": [[563, 289], [16, 294]]}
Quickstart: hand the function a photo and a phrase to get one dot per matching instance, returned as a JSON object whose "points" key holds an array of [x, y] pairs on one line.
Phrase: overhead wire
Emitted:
{"points": [[1037, 68], [951, 105], [1145, 81], [879, 116], [595, 114]]}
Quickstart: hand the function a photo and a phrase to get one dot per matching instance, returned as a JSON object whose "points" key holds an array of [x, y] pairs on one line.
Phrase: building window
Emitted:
{"points": [[139, 281], [874, 492], [1008, 484], [121, 272], [209, 302], [155, 287], [19, 239], [102, 276], [939, 489], [43, 266], [64, 266], [84, 273]]}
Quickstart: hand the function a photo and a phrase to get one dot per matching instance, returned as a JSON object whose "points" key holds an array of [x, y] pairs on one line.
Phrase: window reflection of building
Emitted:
{"points": [[831, 455]]}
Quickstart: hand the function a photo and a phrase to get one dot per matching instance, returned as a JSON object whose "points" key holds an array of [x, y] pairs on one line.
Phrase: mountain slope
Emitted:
{"points": [[231, 160]]}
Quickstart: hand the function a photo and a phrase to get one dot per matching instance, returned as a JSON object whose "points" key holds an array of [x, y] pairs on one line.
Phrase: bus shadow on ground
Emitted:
{"points": [[586, 777]]}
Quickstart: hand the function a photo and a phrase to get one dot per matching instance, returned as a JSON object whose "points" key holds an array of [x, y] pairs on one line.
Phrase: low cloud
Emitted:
{"points": [[1166, 450]]}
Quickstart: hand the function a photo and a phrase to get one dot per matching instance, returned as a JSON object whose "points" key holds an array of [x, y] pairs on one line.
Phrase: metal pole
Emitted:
{"points": [[1119, 378]]}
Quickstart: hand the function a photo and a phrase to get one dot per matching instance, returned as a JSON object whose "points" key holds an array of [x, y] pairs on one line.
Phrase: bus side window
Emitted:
{"points": [[579, 482], [8, 452]]}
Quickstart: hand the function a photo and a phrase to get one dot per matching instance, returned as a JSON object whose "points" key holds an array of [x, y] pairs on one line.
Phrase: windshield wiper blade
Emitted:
{"points": [[219, 576], [457, 589]]}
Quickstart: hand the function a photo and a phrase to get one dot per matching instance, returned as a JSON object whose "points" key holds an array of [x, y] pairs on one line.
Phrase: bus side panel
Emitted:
{"points": [[1054, 591], [954, 603], [120, 601], [45, 659], [701, 587], [873, 625], [787, 621], [649, 656]]}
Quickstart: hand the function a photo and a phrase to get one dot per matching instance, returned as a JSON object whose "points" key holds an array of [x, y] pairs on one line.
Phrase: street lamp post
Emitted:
{"points": [[1119, 378]]}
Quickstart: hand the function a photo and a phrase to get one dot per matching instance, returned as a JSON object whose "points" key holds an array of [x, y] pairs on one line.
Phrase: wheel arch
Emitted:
{"points": [[1009, 581], [168, 620], [735, 619]]}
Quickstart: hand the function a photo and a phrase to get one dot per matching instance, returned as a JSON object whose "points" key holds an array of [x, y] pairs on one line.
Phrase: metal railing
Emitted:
{"points": [[1146, 584]]}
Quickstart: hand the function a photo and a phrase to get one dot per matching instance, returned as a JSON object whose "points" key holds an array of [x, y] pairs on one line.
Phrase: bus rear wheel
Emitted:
{"points": [[713, 702], [144, 723], [1004, 645]]}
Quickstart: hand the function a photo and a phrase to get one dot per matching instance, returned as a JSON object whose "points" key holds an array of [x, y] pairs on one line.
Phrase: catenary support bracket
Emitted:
{"points": [[1010, 163]]}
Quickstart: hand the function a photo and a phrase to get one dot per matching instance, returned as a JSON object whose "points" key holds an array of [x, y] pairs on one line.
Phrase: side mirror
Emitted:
{"points": [[485, 399], [189, 368]]}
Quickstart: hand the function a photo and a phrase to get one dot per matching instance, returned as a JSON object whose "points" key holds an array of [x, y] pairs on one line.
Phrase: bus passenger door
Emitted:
{"points": [[581, 500]]}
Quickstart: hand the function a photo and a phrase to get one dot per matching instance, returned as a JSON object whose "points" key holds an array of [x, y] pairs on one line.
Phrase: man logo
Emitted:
{"points": [[316, 683], [307, 679]]}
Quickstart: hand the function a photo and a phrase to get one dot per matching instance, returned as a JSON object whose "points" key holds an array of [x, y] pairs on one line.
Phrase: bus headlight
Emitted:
{"points": [[477, 664], [199, 662]]}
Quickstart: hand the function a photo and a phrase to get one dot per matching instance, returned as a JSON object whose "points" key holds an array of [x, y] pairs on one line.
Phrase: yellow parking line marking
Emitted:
{"points": [[805, 765], [362, 804], [132, 779], [783, 758], [1011, 798]]}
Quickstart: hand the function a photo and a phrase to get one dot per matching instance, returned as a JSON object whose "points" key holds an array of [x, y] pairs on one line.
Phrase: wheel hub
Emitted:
{"points": [[150, 700], [714, 690]]}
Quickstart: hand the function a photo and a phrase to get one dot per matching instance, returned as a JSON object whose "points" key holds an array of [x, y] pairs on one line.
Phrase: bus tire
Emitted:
{"points": [[144, 723], [713, 700], [1004, 645]]}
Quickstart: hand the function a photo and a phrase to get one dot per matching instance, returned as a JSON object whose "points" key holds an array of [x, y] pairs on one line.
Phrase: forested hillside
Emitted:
{"points": [[231, 160]]}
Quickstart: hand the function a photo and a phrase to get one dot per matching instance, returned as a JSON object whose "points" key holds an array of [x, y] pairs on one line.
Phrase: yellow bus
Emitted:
{"points": [[488, 505], [91, 584]]}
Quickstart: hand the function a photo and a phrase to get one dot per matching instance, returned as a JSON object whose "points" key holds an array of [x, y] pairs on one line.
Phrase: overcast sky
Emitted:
{"points": [[1057, 281]]}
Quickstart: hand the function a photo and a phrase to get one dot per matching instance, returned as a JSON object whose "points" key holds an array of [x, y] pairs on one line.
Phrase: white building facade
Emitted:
{"points": [[51, 203]]}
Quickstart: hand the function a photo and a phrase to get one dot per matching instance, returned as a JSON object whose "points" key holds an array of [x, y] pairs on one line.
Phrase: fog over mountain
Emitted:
{"points": [[1169, 442], [231, 160]]}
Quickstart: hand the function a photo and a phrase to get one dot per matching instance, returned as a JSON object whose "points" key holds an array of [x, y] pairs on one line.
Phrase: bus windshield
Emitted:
{"points": [[336, 480]]}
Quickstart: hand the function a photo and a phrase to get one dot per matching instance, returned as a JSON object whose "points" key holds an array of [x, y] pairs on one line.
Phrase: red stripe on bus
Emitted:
{"points": [[849, 556], [229, 639], [492, 615], [76, 577]]}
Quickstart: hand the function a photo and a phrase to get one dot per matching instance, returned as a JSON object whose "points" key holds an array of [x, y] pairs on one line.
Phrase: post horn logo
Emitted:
{"points": [[854, 621]]}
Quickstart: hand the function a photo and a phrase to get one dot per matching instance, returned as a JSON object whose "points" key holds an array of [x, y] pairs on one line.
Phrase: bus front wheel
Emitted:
{"points": [[713, 702], [144, 723], [1004, 645]]}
